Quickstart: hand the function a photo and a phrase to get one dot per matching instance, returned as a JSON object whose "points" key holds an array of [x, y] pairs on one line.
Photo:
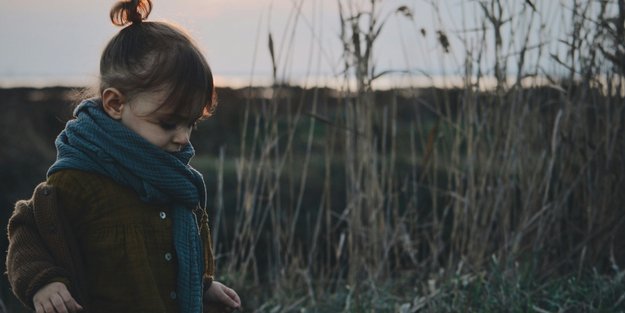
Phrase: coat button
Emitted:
{"points": [[163, 215], [172, 295], [168, 256]]}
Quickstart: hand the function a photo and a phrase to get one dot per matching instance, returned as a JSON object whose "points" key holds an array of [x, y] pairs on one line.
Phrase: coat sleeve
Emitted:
{"points": [[30, 265]]}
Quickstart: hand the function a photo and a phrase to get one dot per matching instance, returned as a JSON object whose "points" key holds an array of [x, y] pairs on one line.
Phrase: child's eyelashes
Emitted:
{"points": [[167, 125]]}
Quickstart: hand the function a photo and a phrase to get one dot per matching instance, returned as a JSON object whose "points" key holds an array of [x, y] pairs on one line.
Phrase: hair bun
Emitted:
{"points": [[130, 11]]}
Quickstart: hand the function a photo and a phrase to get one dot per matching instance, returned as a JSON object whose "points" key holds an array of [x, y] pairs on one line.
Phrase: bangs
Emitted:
{"points": [[190, 83]]}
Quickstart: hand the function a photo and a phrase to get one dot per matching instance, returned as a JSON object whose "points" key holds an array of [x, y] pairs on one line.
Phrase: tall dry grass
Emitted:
{"points": [[344, 189]]}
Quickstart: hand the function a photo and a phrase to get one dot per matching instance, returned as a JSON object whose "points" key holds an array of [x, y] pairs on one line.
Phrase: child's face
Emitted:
{"points": [[159, 126]]}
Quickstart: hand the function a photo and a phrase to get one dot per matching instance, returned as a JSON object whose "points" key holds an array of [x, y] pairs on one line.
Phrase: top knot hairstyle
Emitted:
{"points": [[148, 56], [134, 11]]}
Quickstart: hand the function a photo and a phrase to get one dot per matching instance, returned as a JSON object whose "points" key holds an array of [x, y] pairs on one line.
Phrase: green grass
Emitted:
{"points": [[503, 293], [493, 291]]}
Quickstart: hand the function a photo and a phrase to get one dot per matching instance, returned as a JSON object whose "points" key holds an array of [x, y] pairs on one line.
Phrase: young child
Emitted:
{"points": [[120, 224]]}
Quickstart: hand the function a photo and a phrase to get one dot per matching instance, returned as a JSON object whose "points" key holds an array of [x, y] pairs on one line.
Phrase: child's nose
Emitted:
{"points": [[182, 136]]}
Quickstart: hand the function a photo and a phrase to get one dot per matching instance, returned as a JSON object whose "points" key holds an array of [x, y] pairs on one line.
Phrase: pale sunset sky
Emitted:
{"points": [[59, 42]]}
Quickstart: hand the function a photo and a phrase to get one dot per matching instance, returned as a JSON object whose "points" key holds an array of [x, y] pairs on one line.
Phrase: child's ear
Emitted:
{"points": [[113, 102]]}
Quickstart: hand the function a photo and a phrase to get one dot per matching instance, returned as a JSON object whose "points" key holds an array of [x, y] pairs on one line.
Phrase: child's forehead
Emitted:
{"points": [[174, 116], [164, 103], [156, 106]]}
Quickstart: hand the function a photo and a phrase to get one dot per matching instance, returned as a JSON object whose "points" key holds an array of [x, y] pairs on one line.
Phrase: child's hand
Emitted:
{"points": [[55, 298], [221, 293]]}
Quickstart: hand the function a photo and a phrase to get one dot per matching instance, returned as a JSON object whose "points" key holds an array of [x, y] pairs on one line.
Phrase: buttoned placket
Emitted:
{"points": [[168, 256]]}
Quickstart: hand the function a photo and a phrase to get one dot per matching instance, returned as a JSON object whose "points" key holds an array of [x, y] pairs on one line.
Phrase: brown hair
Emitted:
{"points": [[148, 56]]}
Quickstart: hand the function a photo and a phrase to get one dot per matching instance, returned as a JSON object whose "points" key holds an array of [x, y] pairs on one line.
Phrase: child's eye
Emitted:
{"points": [[167, 125]]}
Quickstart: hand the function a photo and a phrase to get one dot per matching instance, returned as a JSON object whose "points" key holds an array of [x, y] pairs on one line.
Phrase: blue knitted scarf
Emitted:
{"points": [[94, 142]]}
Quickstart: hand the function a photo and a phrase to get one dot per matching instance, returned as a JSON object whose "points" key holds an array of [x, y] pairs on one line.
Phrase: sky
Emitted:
{"points": [[59, 42]]}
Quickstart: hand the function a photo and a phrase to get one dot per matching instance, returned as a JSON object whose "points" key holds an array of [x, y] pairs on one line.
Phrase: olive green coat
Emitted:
{"points": [[113, 251]]}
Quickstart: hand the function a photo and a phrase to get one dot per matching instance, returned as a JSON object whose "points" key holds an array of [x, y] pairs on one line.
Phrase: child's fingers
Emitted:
{"points": [[69, 301], [55, 298], [47, 307], [58, 303], [234, 296]]}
